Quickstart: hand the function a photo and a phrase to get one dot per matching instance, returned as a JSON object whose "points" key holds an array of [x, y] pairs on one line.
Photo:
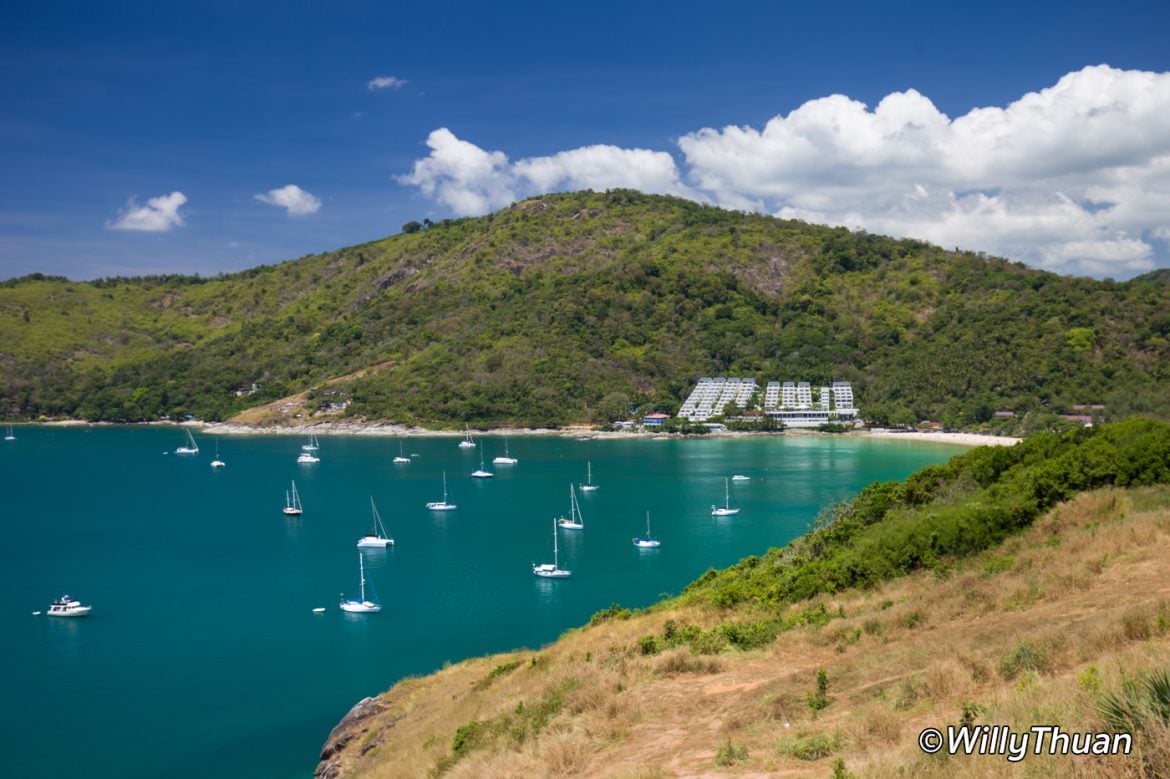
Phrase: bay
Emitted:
{"points": [[203, 655]]}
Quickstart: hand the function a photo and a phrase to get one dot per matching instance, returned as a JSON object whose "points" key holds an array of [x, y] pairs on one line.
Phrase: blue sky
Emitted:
{"points": [[147, 138]]}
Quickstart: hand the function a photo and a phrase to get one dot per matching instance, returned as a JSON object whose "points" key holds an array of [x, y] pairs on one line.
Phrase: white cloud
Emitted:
{"points": [[385, 82], [157, 216], [472, 181], [1074, 177], [293, 199]]}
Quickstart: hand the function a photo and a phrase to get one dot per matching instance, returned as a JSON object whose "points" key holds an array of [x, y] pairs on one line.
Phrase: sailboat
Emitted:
{"points": [[481, 473], [361, 606], [401, 458], [505, 459], [217, 463], [589, 486], [726, 510], [646, 542], [546, 571], [309, 453], [378, 538], [442, 505], [191, 447], [292, 503], [9, 436], [574, 521], [467, 443]]}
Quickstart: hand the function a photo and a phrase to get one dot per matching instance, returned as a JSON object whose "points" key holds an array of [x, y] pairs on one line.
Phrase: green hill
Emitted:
{"points": [[573, 308]]}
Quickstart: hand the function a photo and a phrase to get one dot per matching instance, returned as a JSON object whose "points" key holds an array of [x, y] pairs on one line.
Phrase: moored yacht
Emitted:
{"points": [[66, 606]]}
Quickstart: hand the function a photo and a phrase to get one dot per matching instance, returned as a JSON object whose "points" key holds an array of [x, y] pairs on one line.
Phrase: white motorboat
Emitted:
{"points": [[308, 457], [378, 537], [66, 606], [741, 477]]}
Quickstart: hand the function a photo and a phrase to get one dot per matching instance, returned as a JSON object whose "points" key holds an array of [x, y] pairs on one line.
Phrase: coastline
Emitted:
{"points": [[390, 429]]}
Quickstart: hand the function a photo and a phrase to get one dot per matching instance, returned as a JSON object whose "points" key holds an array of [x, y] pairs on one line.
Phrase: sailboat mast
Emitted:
{"points": [[556, 559], [362, 569]]}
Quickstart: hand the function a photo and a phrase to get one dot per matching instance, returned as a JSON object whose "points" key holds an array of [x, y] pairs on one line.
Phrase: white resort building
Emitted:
{"points": [[792, 403]]}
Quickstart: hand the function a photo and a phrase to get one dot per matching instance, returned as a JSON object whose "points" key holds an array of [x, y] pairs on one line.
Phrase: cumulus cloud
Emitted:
{"points": [[296, 201], [1074, 177], [472, 181], [157, 216], [1069, 178], [385, 82]]}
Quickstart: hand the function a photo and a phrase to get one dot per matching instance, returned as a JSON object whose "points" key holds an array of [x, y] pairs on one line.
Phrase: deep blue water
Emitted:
{"points": [[203, 657]]}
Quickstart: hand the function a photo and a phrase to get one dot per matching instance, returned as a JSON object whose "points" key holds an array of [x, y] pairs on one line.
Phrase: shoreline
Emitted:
{"points": [[390, 429]]}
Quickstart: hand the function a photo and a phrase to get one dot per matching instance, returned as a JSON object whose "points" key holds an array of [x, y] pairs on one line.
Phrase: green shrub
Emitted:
{"points": [[731, 753], [1024, 657], [811, 747]]}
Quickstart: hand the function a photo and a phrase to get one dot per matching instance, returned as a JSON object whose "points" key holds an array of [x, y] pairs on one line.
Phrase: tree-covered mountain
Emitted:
{"points": [[576, 307]]}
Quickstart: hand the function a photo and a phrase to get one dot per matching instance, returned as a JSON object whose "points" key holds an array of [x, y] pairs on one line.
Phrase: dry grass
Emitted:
{"points": [[1086, 592]]}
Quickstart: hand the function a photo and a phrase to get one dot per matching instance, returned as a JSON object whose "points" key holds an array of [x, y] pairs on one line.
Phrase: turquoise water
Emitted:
{"points": [[203, 657]]}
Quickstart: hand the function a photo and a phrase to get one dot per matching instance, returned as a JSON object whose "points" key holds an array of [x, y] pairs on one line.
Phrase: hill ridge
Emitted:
{"points": [[580, 307]]}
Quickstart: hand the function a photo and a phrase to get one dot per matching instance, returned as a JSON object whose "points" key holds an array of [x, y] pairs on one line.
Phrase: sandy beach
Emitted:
{"points": [[404, 431]]}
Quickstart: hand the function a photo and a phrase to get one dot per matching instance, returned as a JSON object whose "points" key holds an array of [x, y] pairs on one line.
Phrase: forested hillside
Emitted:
{"points": [[579, 307]]}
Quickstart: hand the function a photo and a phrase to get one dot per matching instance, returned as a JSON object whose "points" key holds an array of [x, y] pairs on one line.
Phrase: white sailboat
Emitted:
{"points": [[589, 486], [726, 510], [505, 458], [546, 571], [378, 538], [361, 605], [191, 447], [292, 502], [741, 477], [467, 443], [9, 436], [309, 455], [442, 505], [574, 521], [481, 473], [647, 542], [401, 458], [313, 445], [217, 463]]}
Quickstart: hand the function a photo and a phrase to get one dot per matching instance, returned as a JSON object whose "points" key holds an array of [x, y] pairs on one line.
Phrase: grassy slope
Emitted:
{"points": [[1020, 624], [538, 313], [1085, 589]]}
